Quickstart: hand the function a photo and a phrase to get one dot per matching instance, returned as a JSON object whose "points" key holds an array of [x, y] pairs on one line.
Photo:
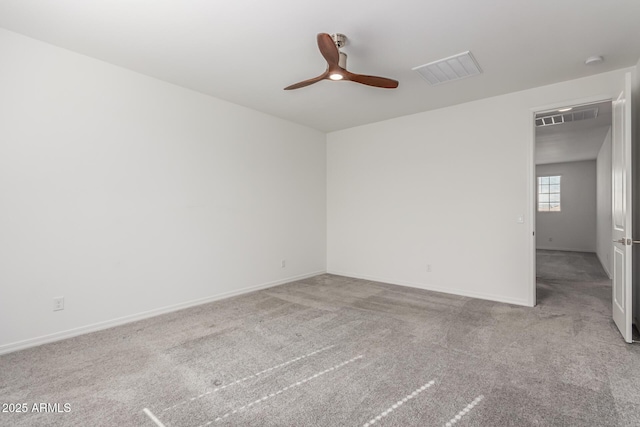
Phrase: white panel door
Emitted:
{"points": [[622, 243]]}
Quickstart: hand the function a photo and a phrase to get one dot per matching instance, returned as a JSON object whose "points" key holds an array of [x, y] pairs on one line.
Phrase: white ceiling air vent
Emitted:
{"points": [[452, 68], [550, 119]]}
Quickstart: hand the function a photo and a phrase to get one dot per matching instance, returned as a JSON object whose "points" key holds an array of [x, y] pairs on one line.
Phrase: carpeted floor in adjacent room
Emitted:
{"points": [[334, 351]]}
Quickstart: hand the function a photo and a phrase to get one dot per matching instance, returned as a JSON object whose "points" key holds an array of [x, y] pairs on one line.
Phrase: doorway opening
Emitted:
{"points": [[573, 203]]}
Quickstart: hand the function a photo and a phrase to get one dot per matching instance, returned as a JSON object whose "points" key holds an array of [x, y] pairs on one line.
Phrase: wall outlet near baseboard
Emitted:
{"points": [[428, 268], [283, 263], [58, 303]]}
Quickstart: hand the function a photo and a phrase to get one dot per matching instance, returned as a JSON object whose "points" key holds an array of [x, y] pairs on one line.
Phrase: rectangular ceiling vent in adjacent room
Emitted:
{"points": [[551, 119], [455, 67]]}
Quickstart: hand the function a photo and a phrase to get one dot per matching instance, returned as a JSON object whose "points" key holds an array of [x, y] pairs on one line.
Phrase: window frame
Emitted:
{"points": [[549, 193]]}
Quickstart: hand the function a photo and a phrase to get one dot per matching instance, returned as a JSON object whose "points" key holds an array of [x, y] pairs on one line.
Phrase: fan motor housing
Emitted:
{"points": [[342, 61], [339, 39]]}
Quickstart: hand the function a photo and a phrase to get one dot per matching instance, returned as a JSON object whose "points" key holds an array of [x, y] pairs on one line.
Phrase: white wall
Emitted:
{"points": [[604, 244], [128, 195], [445, 188], [574, 227]]}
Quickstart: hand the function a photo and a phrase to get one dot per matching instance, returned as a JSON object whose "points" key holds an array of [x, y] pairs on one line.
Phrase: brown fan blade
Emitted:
{"points": [[376, 81], [328, 49], [307, 82]]}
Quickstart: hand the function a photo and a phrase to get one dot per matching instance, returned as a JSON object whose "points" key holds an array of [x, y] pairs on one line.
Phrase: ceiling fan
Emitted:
{"points": [[337, 63]]}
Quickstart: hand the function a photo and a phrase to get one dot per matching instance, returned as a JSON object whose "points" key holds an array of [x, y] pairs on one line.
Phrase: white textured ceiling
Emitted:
{"points": [[247, 51], [575, 141]]}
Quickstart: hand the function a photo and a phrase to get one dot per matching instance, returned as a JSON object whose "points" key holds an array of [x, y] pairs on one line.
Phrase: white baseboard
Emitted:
{"points": [[604, 267], [57, 336], [544, 248], [446, 290]]}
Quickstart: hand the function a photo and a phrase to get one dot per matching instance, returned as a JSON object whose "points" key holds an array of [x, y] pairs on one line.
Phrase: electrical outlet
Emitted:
{"points": [[58, 303], [283, 263], [551, 239], [428, 268]]}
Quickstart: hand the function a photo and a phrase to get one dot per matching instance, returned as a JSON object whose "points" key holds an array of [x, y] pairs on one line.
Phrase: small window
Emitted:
{"points": [[549, 193]]}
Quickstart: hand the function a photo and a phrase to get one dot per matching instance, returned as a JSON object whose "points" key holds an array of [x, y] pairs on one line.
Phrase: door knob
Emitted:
{"points": [[627, 241]]}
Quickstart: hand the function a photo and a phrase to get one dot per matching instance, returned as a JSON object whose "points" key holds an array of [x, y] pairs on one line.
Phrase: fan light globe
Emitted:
{"points": [[336, 76]]}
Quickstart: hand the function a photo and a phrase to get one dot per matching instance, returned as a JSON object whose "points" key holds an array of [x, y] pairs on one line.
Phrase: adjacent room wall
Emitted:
{"points": [[574, 227], [130, 196], [433, 200], [604, 244]]}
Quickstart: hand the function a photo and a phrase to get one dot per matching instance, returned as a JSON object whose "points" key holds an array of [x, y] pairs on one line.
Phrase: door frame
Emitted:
{"points": [[531, 180]]}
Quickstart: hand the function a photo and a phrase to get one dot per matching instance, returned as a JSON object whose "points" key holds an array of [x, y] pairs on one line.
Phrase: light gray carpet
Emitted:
{"points": [[334, 351], [570, 266]]}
